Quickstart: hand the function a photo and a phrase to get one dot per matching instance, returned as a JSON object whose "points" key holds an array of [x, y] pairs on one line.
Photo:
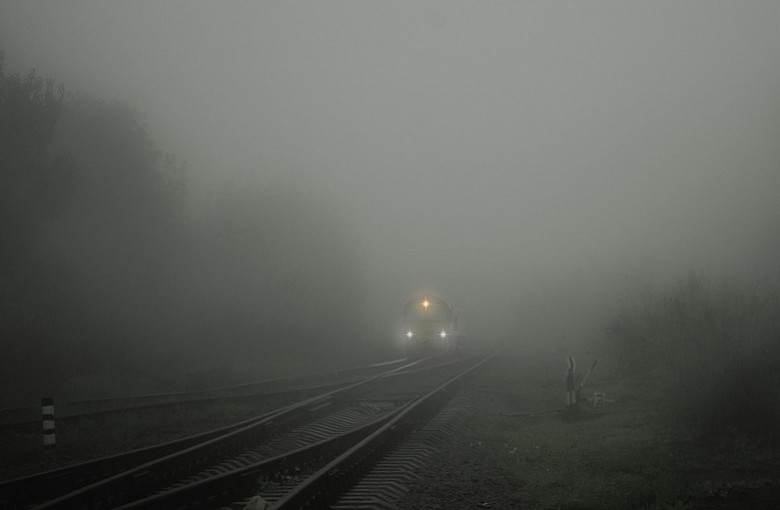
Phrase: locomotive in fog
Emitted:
{"points": [[430, 326]]}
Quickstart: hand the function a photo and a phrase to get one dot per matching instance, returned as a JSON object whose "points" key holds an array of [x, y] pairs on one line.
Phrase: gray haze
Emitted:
{"points": [[523, 159]]}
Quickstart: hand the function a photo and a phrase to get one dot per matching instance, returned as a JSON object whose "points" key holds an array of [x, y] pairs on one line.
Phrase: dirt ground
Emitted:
{"points": [[512, 454]]}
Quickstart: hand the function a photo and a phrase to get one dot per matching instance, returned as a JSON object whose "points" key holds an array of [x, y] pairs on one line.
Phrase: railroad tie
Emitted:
{"points": [[384, 485]]}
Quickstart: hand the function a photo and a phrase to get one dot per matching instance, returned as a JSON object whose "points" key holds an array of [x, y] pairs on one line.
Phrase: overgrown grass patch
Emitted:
{"points": [[611, 461], [626, 457], [714, 352]]}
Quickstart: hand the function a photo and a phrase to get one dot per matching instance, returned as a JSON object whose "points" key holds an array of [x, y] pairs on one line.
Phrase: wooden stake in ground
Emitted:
{"points": [[571, 390], [584, 380]]}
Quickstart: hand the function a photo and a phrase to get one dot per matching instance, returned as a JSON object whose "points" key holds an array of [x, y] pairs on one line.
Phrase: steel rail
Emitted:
{"points": [[30, 426], [274, 385], [244, 480], [150, 474], [52, 483], [332, 480], [28, 490], [22, 418]]}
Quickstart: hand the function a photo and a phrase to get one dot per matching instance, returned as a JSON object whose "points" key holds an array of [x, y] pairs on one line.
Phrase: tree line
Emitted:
{"points": [[110, 282]]}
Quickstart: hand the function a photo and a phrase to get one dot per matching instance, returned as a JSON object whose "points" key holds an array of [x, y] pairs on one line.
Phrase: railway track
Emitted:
{"points": [[315, 428], [28, 418], [390, 476], [374, 472], [312, 465]]}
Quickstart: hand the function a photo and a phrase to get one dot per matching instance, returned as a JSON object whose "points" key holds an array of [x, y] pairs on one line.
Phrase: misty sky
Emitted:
{"points": [[482, 148]]}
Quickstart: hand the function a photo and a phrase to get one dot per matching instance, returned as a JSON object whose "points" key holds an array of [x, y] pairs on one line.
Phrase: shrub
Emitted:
{"points": [[715, 349]]}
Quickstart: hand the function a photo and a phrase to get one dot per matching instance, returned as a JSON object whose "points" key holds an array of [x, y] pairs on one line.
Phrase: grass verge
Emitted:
{"points": [[626, 457]]}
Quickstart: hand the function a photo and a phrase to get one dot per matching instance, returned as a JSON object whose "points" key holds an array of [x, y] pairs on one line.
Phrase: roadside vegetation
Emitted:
{"points": [[516, 454], [692, 386], [711, 350], [112, 281]]}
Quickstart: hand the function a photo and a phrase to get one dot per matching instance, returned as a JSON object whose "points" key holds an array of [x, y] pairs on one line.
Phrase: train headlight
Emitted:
{"points": [[409, 334], [443, 334], [426, 303]]}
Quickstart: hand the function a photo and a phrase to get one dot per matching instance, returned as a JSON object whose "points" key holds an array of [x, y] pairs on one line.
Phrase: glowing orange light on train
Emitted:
{"points": [[426, 303]]}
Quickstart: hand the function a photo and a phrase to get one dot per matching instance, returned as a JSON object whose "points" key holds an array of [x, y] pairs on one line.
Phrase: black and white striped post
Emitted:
{"points": [[47, 415]]}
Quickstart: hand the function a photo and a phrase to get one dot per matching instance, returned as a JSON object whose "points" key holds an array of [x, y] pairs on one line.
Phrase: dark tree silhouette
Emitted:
{"points": [[36, 184], [122, 235]]}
